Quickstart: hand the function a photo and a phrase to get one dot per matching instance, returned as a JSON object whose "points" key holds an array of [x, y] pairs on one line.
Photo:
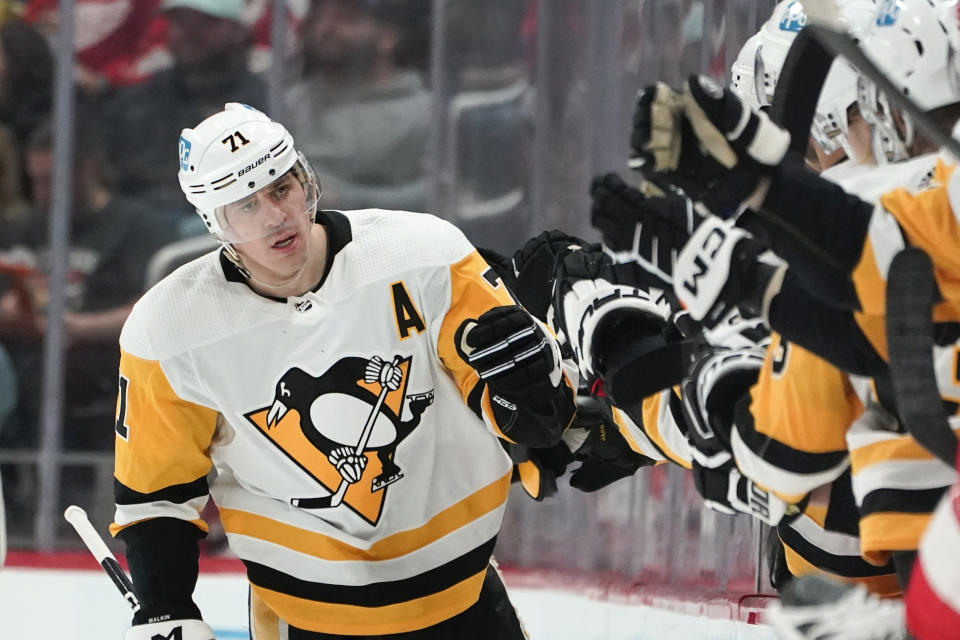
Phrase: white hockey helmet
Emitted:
{"points": [[741, 72], [774, 40], [839, 92], [911, 43], [232, 155]]}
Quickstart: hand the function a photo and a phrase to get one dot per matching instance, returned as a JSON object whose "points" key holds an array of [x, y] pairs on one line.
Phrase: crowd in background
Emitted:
{"points": [[356, 98]]}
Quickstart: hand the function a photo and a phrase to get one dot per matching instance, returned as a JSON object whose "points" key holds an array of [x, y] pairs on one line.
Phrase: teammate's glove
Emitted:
{"points": [[721, 267], [724, 489], [534, 265], [706, 137], [510, 351], [348, 463], [587, 302], [178, 629], [597, 443], [646, 230], [537, 468], [715, 384]]}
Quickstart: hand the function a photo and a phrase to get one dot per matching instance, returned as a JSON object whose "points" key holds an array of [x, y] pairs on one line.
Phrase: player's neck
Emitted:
{"points": [[309, 275]]}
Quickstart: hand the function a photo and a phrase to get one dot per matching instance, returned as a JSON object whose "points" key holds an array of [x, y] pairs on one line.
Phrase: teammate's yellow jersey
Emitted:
{"points": [[790, 437]]}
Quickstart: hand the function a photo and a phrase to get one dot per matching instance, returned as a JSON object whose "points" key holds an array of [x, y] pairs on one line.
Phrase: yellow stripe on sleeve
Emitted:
{"points": [[167, 438]]}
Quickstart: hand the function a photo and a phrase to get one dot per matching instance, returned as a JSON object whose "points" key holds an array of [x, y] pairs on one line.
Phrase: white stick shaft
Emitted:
{"points": [[81, 523], [78, 518]]}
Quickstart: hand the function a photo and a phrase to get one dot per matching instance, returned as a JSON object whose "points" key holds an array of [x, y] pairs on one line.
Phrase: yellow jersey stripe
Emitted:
{"points": [[399, 544]]}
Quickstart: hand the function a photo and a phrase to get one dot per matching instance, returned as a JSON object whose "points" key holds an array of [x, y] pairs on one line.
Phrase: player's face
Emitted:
{"points": [[270, 229]]}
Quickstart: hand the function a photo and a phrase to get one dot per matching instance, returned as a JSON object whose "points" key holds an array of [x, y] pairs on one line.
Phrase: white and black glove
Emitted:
{"points": [[705, 141], [723, 266], [587, 301], [717, 381], [724, 489], [171, 630]]}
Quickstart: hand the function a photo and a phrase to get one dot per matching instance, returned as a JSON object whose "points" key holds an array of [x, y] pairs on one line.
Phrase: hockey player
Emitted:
{"points": [[347, 376]]}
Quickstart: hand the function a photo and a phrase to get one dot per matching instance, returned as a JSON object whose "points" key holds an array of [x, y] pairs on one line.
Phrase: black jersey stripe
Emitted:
{"points": [[901, 500], [178, 493], [779, 454], [378, 594], [846, 566]]}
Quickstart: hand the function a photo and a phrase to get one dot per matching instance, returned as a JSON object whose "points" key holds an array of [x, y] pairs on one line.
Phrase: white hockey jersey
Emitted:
{"points": [[213, 374]]}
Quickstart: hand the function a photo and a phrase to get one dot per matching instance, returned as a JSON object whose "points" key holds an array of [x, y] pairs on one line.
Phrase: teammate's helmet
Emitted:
{"points": [[233, 154], [911, 43], [774, 40], [741, 72], [830, 126], [839, 92]]}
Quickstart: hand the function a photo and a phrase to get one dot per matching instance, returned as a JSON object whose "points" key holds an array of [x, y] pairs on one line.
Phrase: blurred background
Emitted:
{"points": [[494, 115]]}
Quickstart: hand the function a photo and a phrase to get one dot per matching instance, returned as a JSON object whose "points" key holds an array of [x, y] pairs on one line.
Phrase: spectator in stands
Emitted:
{"points": [[209, 44], [26, 78], [117, 43], [361, 113], [112, 239], [14, 208]]}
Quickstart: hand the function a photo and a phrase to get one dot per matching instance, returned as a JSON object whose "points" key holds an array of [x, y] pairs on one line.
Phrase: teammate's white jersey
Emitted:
{"points": [[410, 542]]}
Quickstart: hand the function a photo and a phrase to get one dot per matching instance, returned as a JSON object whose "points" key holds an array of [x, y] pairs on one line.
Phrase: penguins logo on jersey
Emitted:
{"points": [[343, 428]]}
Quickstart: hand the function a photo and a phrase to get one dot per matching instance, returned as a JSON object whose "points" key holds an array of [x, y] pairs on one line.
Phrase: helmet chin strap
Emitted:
{"points": [[237, 261]]}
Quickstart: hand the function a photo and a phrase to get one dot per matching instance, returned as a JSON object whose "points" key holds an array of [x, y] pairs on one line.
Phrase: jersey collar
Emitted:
{"points": [[339, 235]]}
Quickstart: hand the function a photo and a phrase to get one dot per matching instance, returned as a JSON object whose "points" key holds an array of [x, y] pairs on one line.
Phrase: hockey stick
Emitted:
{"points": [[911, 294], [799, 84], [78, 518], [334, 499]]}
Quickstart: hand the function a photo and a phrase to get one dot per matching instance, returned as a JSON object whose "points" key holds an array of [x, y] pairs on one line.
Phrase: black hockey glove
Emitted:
{"points": [[534, 266], [706, 141], [537, 468], [648, 231], [510, 351], [596, 442]]}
